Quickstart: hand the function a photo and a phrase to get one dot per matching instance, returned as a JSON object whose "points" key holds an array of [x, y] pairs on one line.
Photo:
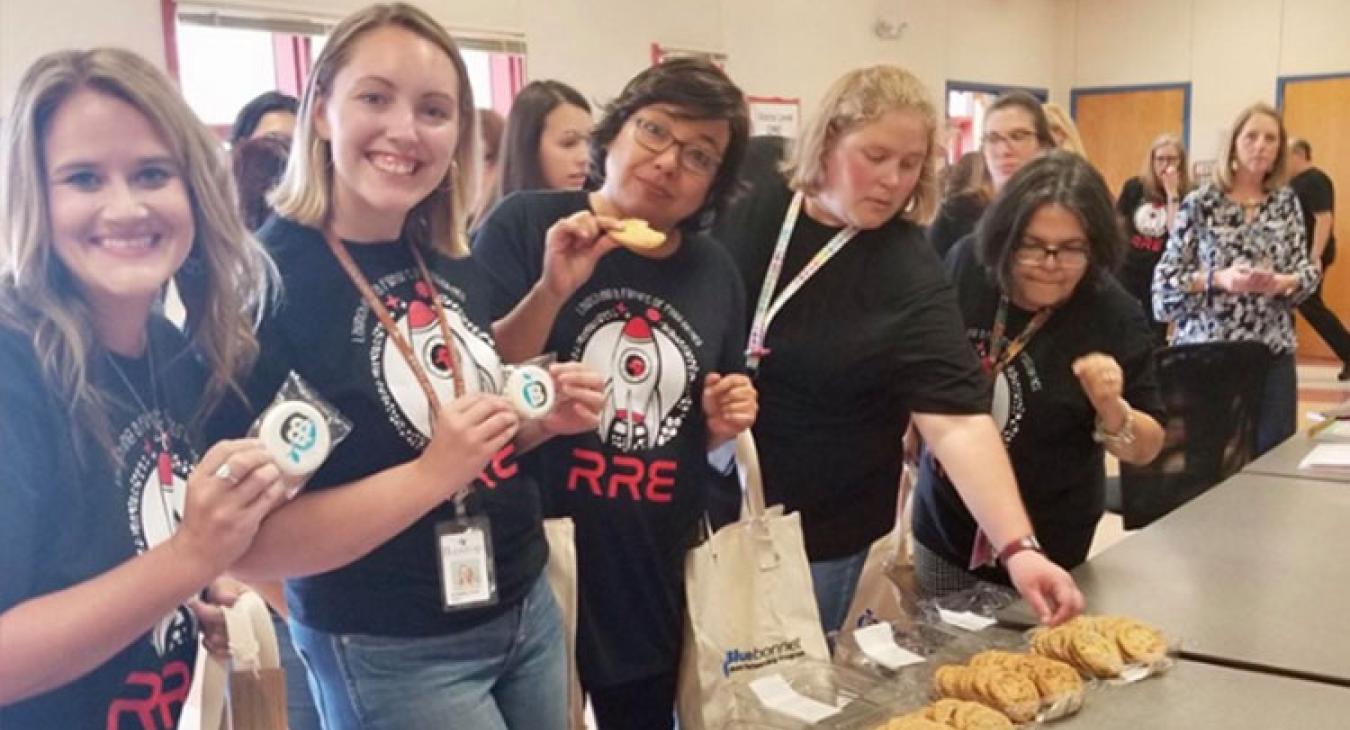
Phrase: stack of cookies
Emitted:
{"points": [[949, 714], [1101, 645], [1003, 689]]}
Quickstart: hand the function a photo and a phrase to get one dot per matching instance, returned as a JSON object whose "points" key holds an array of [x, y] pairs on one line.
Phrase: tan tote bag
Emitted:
{"points": [[562, 578], [248, 690]]}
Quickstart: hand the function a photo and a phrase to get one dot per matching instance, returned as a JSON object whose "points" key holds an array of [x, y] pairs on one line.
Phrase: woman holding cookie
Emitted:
{"points": [[856, 332], [415, 556], [1071, 358], [653, 304]]}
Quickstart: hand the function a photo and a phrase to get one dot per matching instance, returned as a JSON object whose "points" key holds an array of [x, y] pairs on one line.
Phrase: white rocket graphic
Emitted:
{"points": [[633, 410]]}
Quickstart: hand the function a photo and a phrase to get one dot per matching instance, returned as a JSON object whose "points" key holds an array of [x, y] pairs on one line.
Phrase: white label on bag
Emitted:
{"points": [[966, 620], [878, 643], [776, 694]]}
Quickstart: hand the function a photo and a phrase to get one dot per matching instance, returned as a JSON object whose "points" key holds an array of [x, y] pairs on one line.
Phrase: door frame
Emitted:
{"points": [[1081, 91], [987, 88], [1282, 81]]}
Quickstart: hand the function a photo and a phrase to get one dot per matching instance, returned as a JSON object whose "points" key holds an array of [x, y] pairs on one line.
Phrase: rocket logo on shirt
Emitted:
{"points": [[1009, 404], [155, 464], [649, 369], [408, 300]]}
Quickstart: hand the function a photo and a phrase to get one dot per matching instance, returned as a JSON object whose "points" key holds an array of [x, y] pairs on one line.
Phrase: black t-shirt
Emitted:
{"points": [[325, 333], [1316, 194], [65, 520], [955, 220], [637, 487], [1146, 231], [1046, 420], [874, 336]]}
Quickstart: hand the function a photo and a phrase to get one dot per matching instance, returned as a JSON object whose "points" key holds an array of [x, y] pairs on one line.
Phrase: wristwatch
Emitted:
{"points": [[1016, 546], [1123, 437]]}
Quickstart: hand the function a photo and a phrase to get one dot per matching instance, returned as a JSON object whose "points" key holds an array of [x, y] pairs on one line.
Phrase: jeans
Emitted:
{"points": [[510, 672], [835, 583], [1277, 413], [301, 713]]}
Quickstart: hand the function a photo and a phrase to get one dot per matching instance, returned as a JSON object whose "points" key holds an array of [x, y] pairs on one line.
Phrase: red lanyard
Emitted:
{"points": [[998, 358], [391, 327]]}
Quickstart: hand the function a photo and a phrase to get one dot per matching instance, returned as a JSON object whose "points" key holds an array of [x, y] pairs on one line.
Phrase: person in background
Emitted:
{"points": [[868, 340], [1147, 208], [114, 521], [1317, 198], [490, 128], [1236, 264], [965, 193], [1064, 130], [257, 165], [1070, 357], [269, 113]]}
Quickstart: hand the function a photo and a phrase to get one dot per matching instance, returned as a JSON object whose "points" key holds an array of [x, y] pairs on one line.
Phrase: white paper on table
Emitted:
{"points": [[965, 620], [1327, 456], [878, 644], [776, 694]]}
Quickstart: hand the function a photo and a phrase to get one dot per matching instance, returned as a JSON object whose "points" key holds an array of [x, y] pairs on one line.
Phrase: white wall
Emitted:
{"points": [[1232, 51]]}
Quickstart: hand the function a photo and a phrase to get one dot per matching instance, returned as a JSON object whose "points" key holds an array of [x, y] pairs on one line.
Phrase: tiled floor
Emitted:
{"points": [[1318, 388]]}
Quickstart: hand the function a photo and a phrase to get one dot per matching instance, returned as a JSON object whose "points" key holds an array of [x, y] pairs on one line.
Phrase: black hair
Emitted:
{"points": [[253, 112], [700, 90], [1031, 105], [519, 155]]}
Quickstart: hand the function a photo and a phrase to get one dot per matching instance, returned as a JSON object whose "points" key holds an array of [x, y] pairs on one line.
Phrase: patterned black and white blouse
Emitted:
{"points": [[1211, 233]]}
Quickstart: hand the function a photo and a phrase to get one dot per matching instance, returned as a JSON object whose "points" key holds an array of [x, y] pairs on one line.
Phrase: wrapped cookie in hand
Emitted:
{"points": [[299, 429], [530, 388]]}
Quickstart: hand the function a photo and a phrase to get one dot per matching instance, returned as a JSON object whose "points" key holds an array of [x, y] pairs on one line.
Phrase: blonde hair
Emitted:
{"points": [[230, 273], [856, 99], [1153, 189], [305, 193], [1227, 162], [1061, 122]]}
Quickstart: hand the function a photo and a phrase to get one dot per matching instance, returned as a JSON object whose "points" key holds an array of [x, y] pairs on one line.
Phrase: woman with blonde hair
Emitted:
{"points": [[1236, 264], [112, 519], [388, 322], [866, 337], [1063, 129], [1147, 208]]}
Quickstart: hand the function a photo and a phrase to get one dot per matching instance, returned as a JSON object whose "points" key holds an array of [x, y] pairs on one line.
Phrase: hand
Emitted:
{"points": [[572, 247], [581, 396], [1102, 382], [1171, 181], [469, 431], [223, 510], [1047, 588], [224, 591], [730, 404]]}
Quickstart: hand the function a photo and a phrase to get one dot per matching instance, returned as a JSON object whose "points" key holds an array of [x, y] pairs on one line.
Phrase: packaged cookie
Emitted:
{"points": [[530, 387], [1116, 649], [299, 429]]}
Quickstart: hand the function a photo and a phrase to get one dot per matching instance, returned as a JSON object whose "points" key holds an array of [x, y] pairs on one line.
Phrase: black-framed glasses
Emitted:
{"points": [[657, 138], [1015, 138], [1036, 254]]}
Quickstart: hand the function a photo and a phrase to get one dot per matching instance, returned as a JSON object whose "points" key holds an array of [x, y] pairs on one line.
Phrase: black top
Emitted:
{"points": [[639, 485], [1145, 222], [1046, 420], [955, 219], [1316, 194], [874, 336], [65, 520], [325, 332]]}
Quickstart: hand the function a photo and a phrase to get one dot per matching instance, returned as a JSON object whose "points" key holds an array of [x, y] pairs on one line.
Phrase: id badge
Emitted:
{"points": [[468, 575]]}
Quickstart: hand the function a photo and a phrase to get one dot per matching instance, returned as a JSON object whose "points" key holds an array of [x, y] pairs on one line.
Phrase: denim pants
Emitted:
{"points": [[510, 672], [835, 583], [301, 713], [1277, 413]]}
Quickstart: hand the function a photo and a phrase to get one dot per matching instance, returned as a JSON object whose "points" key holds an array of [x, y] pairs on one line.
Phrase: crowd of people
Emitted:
{"points": [[395, 248]]}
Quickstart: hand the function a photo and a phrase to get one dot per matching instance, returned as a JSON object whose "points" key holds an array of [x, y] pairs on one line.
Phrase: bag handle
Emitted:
{"points": [[747, 465], [253, 647]]}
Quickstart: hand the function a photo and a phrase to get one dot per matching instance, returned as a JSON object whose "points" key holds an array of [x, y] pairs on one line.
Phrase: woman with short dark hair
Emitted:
{"points": [[1071, 359]]}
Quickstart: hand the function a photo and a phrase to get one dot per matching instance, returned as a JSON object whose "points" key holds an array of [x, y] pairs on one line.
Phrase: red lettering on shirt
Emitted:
{"points": [[501, 468], [154, 712], [622, 476]]}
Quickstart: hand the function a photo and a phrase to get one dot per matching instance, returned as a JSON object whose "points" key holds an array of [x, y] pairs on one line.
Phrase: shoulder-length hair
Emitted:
{"points": [[305, 193], [857, 99], [520, 169], [1060, 178], [227, 274], [1061, 125], [1227, 162], [1153, 188], [697, 89]]}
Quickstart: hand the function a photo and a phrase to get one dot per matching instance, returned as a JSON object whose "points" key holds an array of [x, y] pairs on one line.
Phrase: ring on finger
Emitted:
{"points": [[225, 473]]}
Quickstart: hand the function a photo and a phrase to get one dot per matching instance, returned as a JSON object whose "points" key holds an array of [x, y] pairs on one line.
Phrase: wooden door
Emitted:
{"points": [[1117, 126], [1317, 110]]}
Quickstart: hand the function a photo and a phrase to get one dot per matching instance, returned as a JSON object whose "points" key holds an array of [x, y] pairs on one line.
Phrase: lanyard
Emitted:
{"points": [[769, 306], [998, 358], [391, 328]]}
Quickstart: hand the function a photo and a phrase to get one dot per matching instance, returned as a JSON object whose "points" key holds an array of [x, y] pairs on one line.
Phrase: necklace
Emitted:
{"points": [[163, 460]]}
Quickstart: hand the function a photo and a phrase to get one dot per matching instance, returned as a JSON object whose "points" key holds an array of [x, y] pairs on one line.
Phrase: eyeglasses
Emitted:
{"points": [[657, 138], [1167, 159], [1036, 254], [1015, 138]]}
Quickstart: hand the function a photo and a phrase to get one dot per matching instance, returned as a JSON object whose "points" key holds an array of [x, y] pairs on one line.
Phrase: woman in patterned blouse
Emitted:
{"points": [[1236, 265]]}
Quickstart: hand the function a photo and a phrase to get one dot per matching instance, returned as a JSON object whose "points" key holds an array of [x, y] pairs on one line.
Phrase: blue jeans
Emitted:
{"points": [[510, 672], [835, 583], [301, 713], [1277, 413]]}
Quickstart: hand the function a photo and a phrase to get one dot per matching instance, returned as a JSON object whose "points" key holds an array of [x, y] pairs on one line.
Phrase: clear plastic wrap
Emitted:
{"points": [[299, 429]]}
